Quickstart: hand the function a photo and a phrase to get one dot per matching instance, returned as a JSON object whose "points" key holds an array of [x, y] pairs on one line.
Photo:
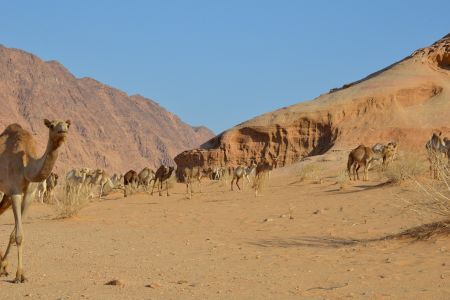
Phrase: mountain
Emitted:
{"points": [[109, 129], [404, 102]]}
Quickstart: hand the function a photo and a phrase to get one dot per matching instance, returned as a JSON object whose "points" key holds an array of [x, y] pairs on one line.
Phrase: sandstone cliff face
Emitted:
{"points": [[404, 102], [109, 129]]}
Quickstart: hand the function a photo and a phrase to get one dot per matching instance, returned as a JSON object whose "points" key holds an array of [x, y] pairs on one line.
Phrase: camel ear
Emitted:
{"points": [[47, 123], [68, 123]]}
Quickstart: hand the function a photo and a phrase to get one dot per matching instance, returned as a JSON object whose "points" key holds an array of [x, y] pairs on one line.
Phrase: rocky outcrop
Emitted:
{"points": [[109, 130], [403, 102]]}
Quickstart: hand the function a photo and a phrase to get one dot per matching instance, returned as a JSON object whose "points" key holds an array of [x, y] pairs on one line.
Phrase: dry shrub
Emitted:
{"points": [[342, 180], [311, 171], [406, 168], [72, 199], [260, 181], [435, 199]]}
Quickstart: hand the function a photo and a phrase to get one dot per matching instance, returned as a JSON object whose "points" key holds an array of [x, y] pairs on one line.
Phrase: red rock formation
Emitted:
{"points": [[403, 102], [109, 129]]}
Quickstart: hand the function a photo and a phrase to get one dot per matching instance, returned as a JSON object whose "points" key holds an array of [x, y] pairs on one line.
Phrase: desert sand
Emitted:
{"points": [[294, 241]]}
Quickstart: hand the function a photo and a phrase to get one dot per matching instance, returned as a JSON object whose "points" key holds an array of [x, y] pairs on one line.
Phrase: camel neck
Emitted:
{"points": [[39, 169]]}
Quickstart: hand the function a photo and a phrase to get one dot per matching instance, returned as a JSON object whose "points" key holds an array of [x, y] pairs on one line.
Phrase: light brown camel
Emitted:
{"points": [[162, 175], [191, 174], [363, 156], [146, 176], [20, 171], [242, 172], [51, 183]]}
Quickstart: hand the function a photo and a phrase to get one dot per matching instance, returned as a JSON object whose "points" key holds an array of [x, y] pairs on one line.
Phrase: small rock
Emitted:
{"points": [[116, 282], [28, 295], [442, 276], [182, 281], [388, 260], [268, 220], [283, 216], [316, 212], [154, 285]]}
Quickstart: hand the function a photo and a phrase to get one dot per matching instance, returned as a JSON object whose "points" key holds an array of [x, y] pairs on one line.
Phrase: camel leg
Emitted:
{"points": [[17, 210], [357, 170], [237, 183], [167, 187], [232, 182], [154, 183], [160, 187]]}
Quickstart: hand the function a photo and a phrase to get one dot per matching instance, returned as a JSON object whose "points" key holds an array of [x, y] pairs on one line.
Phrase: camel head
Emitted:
{"points": [[57, 131]]}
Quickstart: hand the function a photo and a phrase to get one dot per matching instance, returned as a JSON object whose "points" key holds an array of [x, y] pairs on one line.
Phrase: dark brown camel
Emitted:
{"points": [[162, 175], [130, 178]]}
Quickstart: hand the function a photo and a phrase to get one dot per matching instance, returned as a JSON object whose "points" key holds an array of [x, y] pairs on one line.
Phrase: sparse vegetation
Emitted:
{"points": [[311, 171], [407, 168], [72, 199], [342, 180]]}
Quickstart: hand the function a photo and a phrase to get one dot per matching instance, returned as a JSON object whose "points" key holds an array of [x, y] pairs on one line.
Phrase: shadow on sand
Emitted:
{"points": [[417, 233]]}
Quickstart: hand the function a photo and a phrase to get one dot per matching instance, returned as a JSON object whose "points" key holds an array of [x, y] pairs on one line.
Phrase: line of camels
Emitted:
{"points": [[23, 174]]}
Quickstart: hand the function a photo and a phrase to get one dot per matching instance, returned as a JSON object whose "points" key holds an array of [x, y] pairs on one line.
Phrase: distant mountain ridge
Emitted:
{"points": [[109, 129]]}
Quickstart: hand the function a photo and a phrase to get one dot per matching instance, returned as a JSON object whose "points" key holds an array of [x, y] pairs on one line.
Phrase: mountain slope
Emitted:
{"points": [[109, 129], [404, 102]]}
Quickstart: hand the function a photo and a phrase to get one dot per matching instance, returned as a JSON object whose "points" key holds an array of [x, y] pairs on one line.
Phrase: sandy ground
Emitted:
{"points": [[231, 245]]}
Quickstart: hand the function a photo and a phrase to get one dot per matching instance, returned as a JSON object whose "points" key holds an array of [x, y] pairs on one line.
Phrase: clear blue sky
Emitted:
{"points": [[218, 63]]}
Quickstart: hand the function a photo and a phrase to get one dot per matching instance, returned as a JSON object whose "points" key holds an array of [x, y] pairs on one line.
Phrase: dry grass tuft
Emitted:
{"points": [[311, 171], [407, 168], [260, 181], [72, 199], [342, 180]]}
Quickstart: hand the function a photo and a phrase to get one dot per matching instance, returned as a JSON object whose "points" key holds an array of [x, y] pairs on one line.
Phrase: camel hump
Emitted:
{"points": [[15, 129]]}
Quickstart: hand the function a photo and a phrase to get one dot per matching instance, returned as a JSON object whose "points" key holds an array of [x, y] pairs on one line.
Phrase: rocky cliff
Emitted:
{"points": [[403, 102]]}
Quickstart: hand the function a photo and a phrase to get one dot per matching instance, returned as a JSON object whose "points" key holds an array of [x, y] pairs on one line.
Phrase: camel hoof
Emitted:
{"points": [[3, 271], [20, 279]]}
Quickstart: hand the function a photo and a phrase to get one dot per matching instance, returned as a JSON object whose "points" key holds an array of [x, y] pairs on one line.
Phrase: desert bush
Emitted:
{"points": [[72, 199], [311, 171], [405, 168], [342, 180], [259, 182]]}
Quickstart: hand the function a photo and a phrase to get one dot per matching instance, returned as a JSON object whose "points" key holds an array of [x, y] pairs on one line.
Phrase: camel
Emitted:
{"points": [[162, 175], [438, 152], [191, 174], [363, 156], [51, 183], [99, 178], [146, 176], [20, 171], [117, 180], [242, 172], [130, 179]]}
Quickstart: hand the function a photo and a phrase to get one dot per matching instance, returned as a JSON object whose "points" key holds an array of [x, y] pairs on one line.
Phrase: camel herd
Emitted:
{"points": [[23, 174]]}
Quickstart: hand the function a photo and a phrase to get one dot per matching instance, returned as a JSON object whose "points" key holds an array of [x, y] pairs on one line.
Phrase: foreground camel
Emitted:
{"points": [[20, 171], [191, 174], [363, 156], [162, 175], [130, 179], [242, 172]]}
